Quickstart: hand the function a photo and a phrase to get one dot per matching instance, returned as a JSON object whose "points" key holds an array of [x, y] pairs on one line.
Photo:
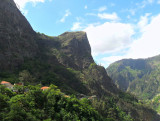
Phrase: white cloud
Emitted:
{"points": [[91, 14], [67, 13], [145, 2], [112, 4], [22, 3], [79, 19], [107, 16], [132, 11], [143, 21], [147, 45], [103, 8], [158, 1], [25, 12], [150, 1], [128, 16], [109, 37], [111, 59], [76, 26], [85, 7]]}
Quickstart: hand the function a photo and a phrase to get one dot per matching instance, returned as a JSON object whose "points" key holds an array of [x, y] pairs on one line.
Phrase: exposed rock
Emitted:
{"points": [[75, 46]]}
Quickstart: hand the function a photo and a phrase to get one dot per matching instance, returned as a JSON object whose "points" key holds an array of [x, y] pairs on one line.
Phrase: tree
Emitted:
{"points": [[25, 76], [19, 109]]}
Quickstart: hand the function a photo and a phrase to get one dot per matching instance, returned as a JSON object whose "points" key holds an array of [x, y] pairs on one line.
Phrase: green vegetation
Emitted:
{"points": [[36, 105], [65, 61], [155, 103], [52, 105], [110, 106], [140, 77], [39, 72]]}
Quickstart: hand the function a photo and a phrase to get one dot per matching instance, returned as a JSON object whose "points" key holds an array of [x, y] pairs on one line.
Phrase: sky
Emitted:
{"points": [[116, 29]]}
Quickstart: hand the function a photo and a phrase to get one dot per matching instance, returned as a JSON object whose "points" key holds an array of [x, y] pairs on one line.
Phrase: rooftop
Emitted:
{"points": [[43, 88], [5, 82]]}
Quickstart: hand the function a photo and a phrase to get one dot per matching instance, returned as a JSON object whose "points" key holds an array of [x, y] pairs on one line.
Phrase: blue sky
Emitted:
{"points": [[116, 29]]}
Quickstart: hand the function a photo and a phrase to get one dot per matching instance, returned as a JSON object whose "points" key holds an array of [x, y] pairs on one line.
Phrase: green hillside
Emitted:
{"points": [[65, 61], [139, 76]]}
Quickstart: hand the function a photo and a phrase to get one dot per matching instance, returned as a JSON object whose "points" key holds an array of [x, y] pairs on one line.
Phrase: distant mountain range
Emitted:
{"points": [[137, 76]]}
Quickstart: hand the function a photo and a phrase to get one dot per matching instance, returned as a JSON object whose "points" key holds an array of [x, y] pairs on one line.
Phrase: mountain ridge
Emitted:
{"points": [[131, 71], [64, 60]]}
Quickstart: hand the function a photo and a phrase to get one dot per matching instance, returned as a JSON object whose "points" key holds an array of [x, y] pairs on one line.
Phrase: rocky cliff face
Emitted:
{"points": [[16, 36], [76, 47]]}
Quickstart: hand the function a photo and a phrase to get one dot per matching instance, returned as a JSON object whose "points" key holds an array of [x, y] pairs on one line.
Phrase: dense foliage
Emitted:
{"points": [[37, 105], [154, 103], [32, 104]]}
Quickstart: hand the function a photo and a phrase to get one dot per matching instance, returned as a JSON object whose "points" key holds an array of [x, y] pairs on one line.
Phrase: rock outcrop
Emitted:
{"points": [[75, 46]]}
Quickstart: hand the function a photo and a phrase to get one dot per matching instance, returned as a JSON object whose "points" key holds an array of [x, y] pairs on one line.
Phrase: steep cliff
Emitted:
{"points": [[77, 50], [17, 38]]}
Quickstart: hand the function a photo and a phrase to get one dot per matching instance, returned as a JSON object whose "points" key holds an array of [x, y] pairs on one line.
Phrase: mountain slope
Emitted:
{"points": [[17, 38], [72, 50], [139, 76], [66, 57], [64, 60]]}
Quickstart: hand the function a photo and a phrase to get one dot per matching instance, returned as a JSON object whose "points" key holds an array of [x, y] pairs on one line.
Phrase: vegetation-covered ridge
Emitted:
{"points": [[139, 76], [65, 61]]}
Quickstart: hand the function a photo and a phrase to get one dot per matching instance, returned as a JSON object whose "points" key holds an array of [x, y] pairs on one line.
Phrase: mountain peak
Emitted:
{"points": [[77, 48]]}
